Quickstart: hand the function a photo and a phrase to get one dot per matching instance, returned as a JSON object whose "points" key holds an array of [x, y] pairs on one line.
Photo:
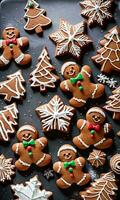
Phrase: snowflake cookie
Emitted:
{"points": [[31, 190], [55, 115], [96, 11], [70, 39], [6, 168], [97, 158]]}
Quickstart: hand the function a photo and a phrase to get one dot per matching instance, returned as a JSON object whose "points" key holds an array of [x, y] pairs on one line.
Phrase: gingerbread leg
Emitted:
{"points": [[105, 144], [45, 160], [62, 183], [75, 102], [84, 180], [78, 142], [22, 166], [23, 59], [5, 59]]}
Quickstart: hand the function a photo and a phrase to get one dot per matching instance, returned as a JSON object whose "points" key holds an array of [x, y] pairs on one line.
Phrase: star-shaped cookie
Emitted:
{"points": [[96, 11], [55, 115], [70, 39]]}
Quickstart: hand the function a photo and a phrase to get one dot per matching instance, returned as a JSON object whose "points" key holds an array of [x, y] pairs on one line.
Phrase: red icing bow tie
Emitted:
{"points": [[11, 41], [94, 127]]}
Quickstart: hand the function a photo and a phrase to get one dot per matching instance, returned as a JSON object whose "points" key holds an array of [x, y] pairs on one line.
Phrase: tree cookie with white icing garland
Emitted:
{"points": [[97, 12], [113, 104], [108, 57], [13, 87], [93, 130], [12, 44], [55, 115], [103, 188], [31, 190], [70, 39], [70, 167], [36, 19], [30, 148], [78, 83], [8, 121], [43, 76]]}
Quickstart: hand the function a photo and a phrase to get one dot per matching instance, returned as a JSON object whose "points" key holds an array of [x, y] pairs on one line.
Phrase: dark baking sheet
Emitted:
{"points": [[12, 12]]}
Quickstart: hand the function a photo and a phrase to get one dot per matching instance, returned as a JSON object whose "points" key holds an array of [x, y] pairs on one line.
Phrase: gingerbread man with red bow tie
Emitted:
{"points": [[93, 130], [11, 45]]}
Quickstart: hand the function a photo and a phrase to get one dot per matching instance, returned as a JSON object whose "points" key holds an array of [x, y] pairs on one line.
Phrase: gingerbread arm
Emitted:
{"points": [[81, 123], [23, 41], [107, 127], [81, 162], [57, 167], [66, 86], [42, 142], [86, 71], [16, 148], [1, 44]]}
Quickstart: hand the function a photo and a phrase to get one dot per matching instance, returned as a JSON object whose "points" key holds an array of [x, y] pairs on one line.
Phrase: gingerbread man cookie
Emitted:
{"points": [[30, 148], [78, 83], [70, 168], [93, 130], [11, 45]]}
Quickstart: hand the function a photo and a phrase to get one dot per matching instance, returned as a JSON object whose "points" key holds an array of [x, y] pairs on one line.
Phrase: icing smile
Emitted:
{"points": [[72, 72], [96, 118], [27, 137], [68, 156], [10, 35]]}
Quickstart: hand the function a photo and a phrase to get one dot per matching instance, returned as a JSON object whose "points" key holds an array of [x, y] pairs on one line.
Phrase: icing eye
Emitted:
{"points": [[72, 68], [67, 72], [7, 33], [64, 154]]}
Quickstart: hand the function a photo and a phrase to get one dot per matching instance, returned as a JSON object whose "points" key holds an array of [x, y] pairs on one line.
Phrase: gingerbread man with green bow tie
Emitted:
{"points": [[30, 149], [79, 84], [70, 167]]}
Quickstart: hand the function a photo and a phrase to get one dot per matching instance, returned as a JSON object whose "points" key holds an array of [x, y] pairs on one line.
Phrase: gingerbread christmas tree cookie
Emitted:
{"points": [[43, 76], [55, 115], [13, 86], [35, 16], [78, 83], [108, 57], [101, 189], [31, 190], [8, 118], [70, 39], [113, 104], [96, 11]]}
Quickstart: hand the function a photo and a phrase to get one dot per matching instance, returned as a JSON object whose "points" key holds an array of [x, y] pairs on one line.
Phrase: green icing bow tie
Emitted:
{"points": [[30, 143], [79, 77], [69, 164]]}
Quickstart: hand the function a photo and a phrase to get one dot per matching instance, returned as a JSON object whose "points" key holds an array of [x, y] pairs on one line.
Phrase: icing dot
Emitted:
{"points": [[97, 157]]}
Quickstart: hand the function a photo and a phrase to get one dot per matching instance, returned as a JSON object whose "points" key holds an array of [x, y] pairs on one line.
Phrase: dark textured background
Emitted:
{"points": [[12, 12]]}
